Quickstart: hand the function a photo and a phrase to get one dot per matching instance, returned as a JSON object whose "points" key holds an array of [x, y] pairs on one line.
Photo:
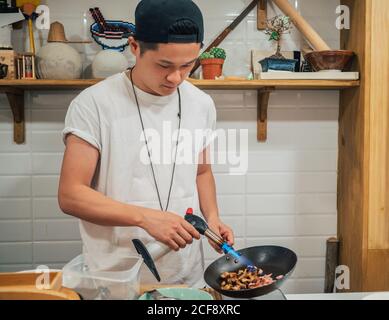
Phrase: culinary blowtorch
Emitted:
{"points": [[156, 250]]}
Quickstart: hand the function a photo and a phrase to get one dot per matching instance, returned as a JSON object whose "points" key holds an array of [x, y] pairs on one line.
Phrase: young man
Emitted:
{"points": [[105, 183]]}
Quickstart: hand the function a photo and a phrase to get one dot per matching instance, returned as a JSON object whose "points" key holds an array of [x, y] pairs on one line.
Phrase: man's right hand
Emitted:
{"points": [[169, 228]]}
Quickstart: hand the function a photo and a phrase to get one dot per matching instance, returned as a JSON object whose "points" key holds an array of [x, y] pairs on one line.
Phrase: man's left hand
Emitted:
{"points": [[216, 225]]}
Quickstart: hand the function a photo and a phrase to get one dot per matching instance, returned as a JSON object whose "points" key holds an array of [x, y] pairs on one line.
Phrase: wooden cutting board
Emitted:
{"points": [[23, 286]]}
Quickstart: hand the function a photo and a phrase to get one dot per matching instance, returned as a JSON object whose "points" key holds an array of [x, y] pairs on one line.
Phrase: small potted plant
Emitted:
{"points": [[212, 63], [276, 27]]}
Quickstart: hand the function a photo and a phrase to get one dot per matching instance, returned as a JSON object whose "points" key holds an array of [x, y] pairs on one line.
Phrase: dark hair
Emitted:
{"points": [[146, 46], [181, 27]]}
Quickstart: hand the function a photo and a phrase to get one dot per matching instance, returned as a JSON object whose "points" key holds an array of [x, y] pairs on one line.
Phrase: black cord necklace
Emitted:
{"points": [[147, 146]]}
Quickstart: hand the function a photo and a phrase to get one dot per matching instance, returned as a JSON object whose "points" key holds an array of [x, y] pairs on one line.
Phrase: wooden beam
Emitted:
{"points": [[363, 172], [262, 15], [220, 38], [352, 164], [302, 25], [332, 255]]}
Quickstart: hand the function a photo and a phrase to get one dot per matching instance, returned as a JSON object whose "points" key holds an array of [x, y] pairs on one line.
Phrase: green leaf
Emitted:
{"points": [[275, 36]]}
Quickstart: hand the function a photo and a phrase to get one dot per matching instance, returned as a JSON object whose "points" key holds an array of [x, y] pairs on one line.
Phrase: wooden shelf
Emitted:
{"points": [[202, 84], [276, 84], [40, 84], [15, 93]]}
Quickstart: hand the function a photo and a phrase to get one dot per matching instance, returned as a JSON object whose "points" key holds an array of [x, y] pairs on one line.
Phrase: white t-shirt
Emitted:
{"points": [[106, 116]]}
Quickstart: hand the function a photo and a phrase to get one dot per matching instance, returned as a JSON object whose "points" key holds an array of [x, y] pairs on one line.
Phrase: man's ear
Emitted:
{"points": [[134, 45]]}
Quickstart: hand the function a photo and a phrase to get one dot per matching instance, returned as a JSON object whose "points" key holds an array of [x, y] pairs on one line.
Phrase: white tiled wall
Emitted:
{"points": [[288, 196]]}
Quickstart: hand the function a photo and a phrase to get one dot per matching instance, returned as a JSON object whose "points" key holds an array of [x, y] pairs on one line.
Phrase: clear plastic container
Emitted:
{"points": [[118, 280]]}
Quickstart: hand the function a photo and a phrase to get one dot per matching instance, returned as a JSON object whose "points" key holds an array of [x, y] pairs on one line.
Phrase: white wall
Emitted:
{"points": [[288, 197]]}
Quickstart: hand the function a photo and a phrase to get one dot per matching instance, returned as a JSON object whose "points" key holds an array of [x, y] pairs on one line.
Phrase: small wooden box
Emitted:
{"points": [[25, 66], [8, 57]]}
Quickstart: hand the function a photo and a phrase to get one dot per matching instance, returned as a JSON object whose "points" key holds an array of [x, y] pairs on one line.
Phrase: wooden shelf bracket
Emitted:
{"points": [[262, 106], [16, 101], [262, 15]]}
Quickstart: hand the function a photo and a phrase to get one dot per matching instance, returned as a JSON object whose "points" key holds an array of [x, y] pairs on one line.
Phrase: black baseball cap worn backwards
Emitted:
{"points": [[153, 19]]}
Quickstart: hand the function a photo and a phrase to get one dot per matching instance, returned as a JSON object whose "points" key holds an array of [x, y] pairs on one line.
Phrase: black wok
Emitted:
{"points": [[271, 259]]}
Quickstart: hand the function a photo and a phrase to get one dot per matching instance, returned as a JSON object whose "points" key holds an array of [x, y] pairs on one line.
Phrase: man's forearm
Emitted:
{"points": [[87, 204], [206, 189]]}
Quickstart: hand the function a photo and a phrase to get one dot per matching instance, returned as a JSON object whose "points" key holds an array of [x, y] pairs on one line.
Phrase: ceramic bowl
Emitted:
{"points": [[181, 293], [329, 60]]}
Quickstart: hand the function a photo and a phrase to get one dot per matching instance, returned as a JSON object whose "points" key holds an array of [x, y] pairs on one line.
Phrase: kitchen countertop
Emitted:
{"points": [[277, 295], [340, 296]]}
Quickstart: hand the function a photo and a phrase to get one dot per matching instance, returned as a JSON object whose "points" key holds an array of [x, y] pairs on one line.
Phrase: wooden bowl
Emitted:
{"points": [[329, 60]]}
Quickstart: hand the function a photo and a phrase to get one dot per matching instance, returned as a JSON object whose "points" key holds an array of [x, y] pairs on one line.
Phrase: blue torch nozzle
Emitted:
{"points": [[227, 249]]}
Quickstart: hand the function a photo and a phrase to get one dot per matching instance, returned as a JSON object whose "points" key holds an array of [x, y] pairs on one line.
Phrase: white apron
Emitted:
{"points": [[106, 116]]}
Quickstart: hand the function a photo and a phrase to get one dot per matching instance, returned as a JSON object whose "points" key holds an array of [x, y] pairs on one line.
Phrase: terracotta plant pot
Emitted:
{"points": [[212, 68]]}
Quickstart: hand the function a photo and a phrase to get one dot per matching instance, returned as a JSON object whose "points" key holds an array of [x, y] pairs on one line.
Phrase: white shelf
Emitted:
{"points": [[328, 75]]}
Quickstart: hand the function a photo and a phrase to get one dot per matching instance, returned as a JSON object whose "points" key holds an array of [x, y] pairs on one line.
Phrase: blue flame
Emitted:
{"points": [[227, 249]]}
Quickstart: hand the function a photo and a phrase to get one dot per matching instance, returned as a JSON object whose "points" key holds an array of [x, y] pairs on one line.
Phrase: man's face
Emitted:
{"points": [[162, 71]]}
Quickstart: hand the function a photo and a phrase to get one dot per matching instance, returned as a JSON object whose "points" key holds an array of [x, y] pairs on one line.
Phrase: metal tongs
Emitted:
{"points": [[201, 226]]}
